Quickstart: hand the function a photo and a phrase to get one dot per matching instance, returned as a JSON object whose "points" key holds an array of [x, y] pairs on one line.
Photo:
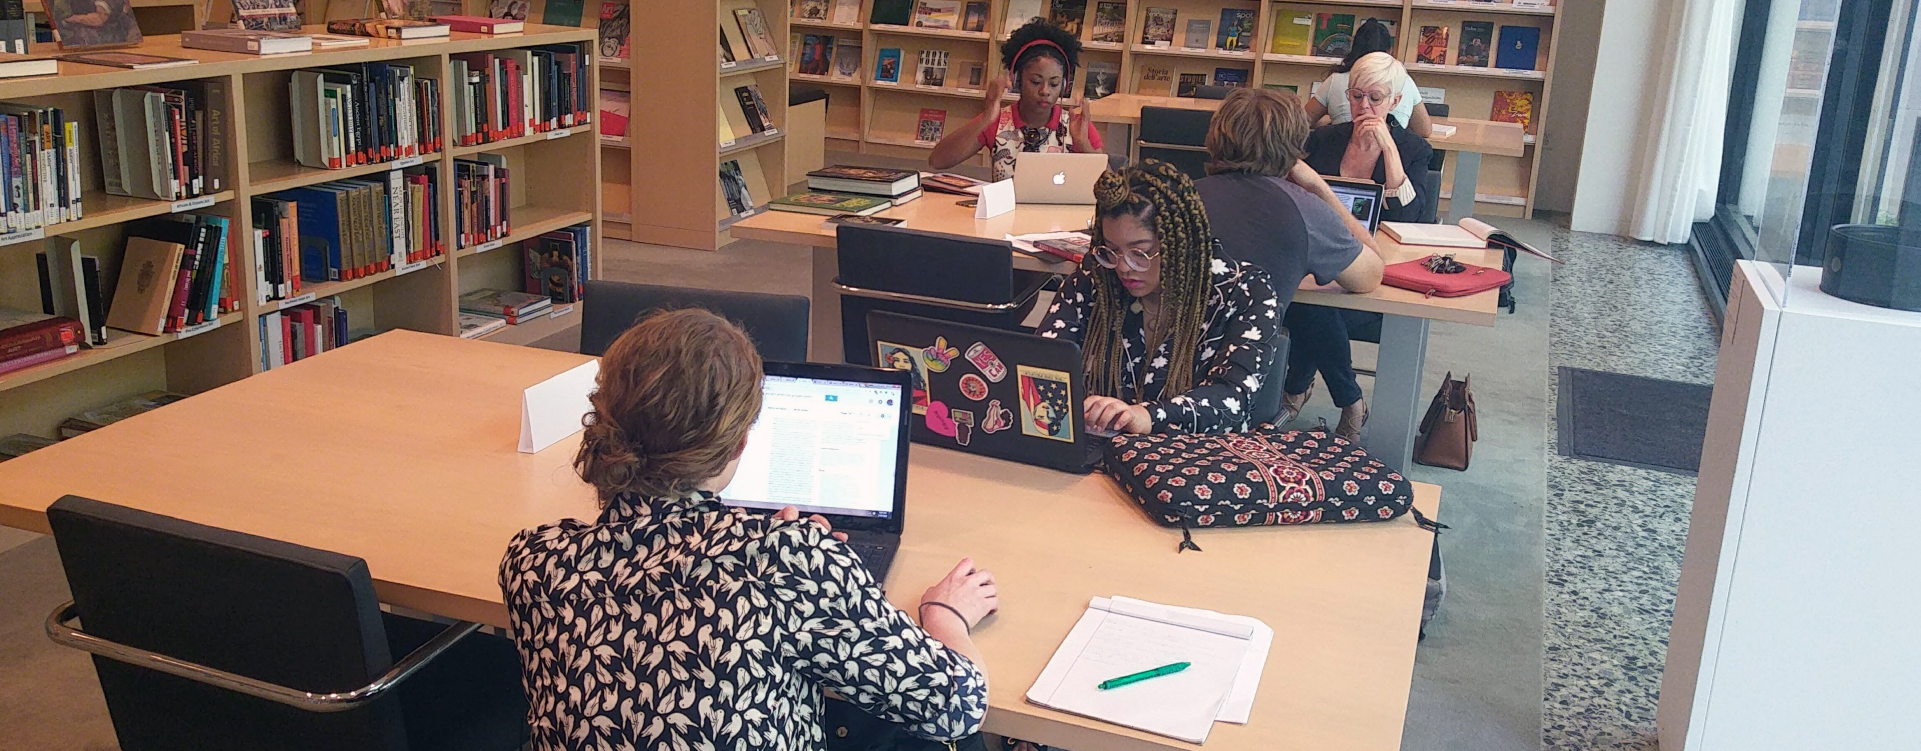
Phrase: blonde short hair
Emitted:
{"points": [[1377, 69]]}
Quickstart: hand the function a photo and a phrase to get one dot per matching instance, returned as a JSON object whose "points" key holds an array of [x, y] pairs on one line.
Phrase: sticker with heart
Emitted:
{"points": [[939, 421], [938, 357]]}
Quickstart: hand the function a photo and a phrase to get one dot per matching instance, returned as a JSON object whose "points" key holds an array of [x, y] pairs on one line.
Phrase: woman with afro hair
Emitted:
{"points": [[1042, 58]]}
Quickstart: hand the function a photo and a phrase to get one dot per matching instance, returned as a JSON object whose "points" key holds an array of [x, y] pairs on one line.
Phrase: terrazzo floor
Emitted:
{"points": [[1615, 533]]}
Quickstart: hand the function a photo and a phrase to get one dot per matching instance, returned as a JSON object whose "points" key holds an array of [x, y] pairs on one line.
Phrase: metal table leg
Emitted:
{"points": [[1467, 177], [1395, 406]]}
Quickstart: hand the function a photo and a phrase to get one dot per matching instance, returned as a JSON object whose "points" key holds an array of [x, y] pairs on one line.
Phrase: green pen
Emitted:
{"points": [[1144, 675]]}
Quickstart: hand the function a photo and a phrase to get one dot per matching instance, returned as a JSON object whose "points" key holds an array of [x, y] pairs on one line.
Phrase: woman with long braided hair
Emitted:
{"points": [[1174, 335]]}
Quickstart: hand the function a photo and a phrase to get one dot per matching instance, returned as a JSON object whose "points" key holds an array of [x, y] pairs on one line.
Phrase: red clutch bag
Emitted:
{"points": [[1417, 276]]}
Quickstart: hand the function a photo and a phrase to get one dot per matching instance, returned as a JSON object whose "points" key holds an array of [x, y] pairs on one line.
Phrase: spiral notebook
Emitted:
{"points": [[1120, 636]]}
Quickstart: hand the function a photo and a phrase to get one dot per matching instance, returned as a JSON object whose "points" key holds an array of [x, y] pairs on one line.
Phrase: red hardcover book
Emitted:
{"points": [[28, 361], [516, 114], [479, 25], [177, 313], [23, 333], [286, 337]]}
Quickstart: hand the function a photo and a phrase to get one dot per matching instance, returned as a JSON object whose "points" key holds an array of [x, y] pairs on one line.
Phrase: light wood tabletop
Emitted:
{"points": [[1478, 136], [401, 450]]}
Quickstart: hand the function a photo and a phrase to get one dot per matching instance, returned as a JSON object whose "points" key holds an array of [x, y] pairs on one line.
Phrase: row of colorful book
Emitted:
{"points": [[346, 116], [294, 334], [512, 93], [344, 229]]}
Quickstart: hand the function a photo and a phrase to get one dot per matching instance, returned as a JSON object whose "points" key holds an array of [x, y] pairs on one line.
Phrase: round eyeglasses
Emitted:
{"points": [[1359, 95], [1138, 260]]}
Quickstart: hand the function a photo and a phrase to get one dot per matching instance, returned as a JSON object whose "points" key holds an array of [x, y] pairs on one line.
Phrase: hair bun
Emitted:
{"points": [[1110, 190]]}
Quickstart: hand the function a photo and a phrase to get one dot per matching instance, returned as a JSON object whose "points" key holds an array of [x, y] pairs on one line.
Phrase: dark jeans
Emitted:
{"points": [[1318, 343]]}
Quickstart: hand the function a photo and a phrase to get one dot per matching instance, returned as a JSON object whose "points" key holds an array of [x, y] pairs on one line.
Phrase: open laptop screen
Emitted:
{"points": [[1362, 199], [824, 446]]}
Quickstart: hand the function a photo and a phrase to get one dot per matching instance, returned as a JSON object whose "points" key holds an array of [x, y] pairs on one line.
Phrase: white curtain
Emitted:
{"points": [[1680, 158]]}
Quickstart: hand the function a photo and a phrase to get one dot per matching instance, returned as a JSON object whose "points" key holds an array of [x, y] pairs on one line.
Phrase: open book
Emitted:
{"points": [[1122, 636], [1471, 233]]}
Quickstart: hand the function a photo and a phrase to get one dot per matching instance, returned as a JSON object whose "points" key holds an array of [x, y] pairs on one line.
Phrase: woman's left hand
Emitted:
{"points": [[1108, 413]]}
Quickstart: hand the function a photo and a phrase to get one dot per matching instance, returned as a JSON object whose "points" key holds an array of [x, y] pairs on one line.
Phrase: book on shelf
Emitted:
{"points": [[345, 229], [1020, 13], [485, 25], [1477, 40], [482, 212], [519, 92], [1237, 30], [809, 10], [293, 334], [100, 417], [1067, 14], [558, 264], [1153, 79], [840, 219], [1110, 22], [1513, 107], [816, 54], [847, 12], [107, 24], [246, 41], [733, 187], [20, 444], [847, 59], [753, 30], [40, 337], [615, 22], [143, 299], [1432, 49], [753, 108], [615, 109], [563, 12], [950, 183], [1233, 78], [128, 60], [1287, 87], [71, 287], [793, 47], [510, 9], [974, 16], [887, 65], [1101, 78], [388, 28], [40, 167], [1293, 33], [18, 66], [868, 181], [164, 141], [474, 325], [204, 284], [266, 15], [16, 33], [1520, 46], [338, 42], [349, 115], [974, 75], [933, 122], [891, 12], [727, 54], [829, 204], [933, 68], [1333, 34], [937, 14], [1197, 33], [1157, 29], [1190, 83], [276, 249], [515, 307]]}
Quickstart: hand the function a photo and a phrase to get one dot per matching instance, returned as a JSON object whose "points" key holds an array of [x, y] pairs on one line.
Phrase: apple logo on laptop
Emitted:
{"points": [[1060, 178]]}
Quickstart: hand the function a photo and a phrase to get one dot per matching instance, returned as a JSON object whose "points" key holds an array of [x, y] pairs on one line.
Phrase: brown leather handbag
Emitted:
{"points": [[1448, 432]]}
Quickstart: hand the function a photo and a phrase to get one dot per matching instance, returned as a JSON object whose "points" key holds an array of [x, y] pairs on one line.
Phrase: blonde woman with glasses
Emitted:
{"points": [[1374, 146]]}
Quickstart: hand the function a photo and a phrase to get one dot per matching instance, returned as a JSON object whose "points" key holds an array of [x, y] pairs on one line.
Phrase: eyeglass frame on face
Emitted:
{"points": [[1368, 96], [1109, 257]]}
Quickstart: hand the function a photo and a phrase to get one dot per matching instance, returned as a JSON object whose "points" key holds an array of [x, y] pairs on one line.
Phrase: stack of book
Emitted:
{"points": [[363, 114], [39, 167], [29, 339], [165, 141], [71, 285], [389, 28], [344, 229], [297, 333], [480, 199], [177, 272], [246, 41], [859, 191], [513, 307], [559, 264], [512, 93], [474, 325], [95, 419]]}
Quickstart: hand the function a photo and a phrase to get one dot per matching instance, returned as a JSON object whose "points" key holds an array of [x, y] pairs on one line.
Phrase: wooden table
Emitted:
{"points": [[401, 450], [1397, 402], [1470, 139]]}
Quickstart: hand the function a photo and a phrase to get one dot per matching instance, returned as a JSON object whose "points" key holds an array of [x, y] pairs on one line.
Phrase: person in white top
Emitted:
{"points": [[1330, 100]]}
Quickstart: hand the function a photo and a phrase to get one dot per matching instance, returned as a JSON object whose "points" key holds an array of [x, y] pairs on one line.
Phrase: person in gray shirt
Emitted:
{"points": [[1270, 209]]}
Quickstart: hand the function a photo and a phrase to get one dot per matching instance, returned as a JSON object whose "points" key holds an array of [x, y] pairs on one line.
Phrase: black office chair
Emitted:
{"points": [[1176, 135], [209, 639], [1429, 189], [1439, 159], [931, 275], [1266, 404], [776, 323]]}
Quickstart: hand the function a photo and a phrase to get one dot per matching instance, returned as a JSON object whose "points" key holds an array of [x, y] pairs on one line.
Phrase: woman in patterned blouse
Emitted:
{"points": [[672, 621], [1174, 336]]}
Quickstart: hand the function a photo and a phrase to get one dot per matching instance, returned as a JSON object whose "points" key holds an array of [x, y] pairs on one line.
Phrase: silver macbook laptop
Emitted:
{"points": [[1064, 178]]}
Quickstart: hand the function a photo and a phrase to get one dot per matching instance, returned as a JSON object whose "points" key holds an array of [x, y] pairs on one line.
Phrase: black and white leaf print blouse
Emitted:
{"points": [[678, 623], [1243, 321]]}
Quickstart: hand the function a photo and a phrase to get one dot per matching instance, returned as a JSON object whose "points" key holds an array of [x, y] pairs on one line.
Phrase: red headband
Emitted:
{"points": [[1025, 47]]}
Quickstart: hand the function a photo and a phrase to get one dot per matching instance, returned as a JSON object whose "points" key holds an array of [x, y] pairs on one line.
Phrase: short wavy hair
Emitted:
{"points": [[1377, 68], [1257, 131]]}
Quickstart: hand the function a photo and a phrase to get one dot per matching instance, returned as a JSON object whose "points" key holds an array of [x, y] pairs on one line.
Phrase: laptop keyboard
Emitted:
{"points": [[877, 557]]}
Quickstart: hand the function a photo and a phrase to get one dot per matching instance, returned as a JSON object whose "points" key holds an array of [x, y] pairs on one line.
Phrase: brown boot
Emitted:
{"points": [[1291, 405], [1353, 417]]}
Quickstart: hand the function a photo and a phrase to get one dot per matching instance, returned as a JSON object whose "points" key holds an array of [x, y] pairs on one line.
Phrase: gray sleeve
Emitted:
{"points": [[1330, 247]]}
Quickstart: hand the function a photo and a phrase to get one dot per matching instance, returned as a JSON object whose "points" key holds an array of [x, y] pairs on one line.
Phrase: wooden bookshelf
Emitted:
{"points": [[878, 118], [553, 184]]}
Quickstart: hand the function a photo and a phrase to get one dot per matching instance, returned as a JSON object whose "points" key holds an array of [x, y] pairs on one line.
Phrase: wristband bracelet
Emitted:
{"points": [[950, 609]]}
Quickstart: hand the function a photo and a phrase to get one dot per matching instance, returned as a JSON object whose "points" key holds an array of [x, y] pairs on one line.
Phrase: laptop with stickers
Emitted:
{"points": [[831, 440], [1005, 394]]}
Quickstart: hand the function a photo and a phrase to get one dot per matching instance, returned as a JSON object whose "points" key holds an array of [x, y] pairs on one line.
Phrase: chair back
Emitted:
{"points": [[260, 608], [776, 323], [1430, 195], [1439, 159], [1176, 135], [945, 277], [1266, 404], [1212, 92]]}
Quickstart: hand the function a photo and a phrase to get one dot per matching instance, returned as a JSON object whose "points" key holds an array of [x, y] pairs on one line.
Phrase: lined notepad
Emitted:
{"points": [[1120, 636]]}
